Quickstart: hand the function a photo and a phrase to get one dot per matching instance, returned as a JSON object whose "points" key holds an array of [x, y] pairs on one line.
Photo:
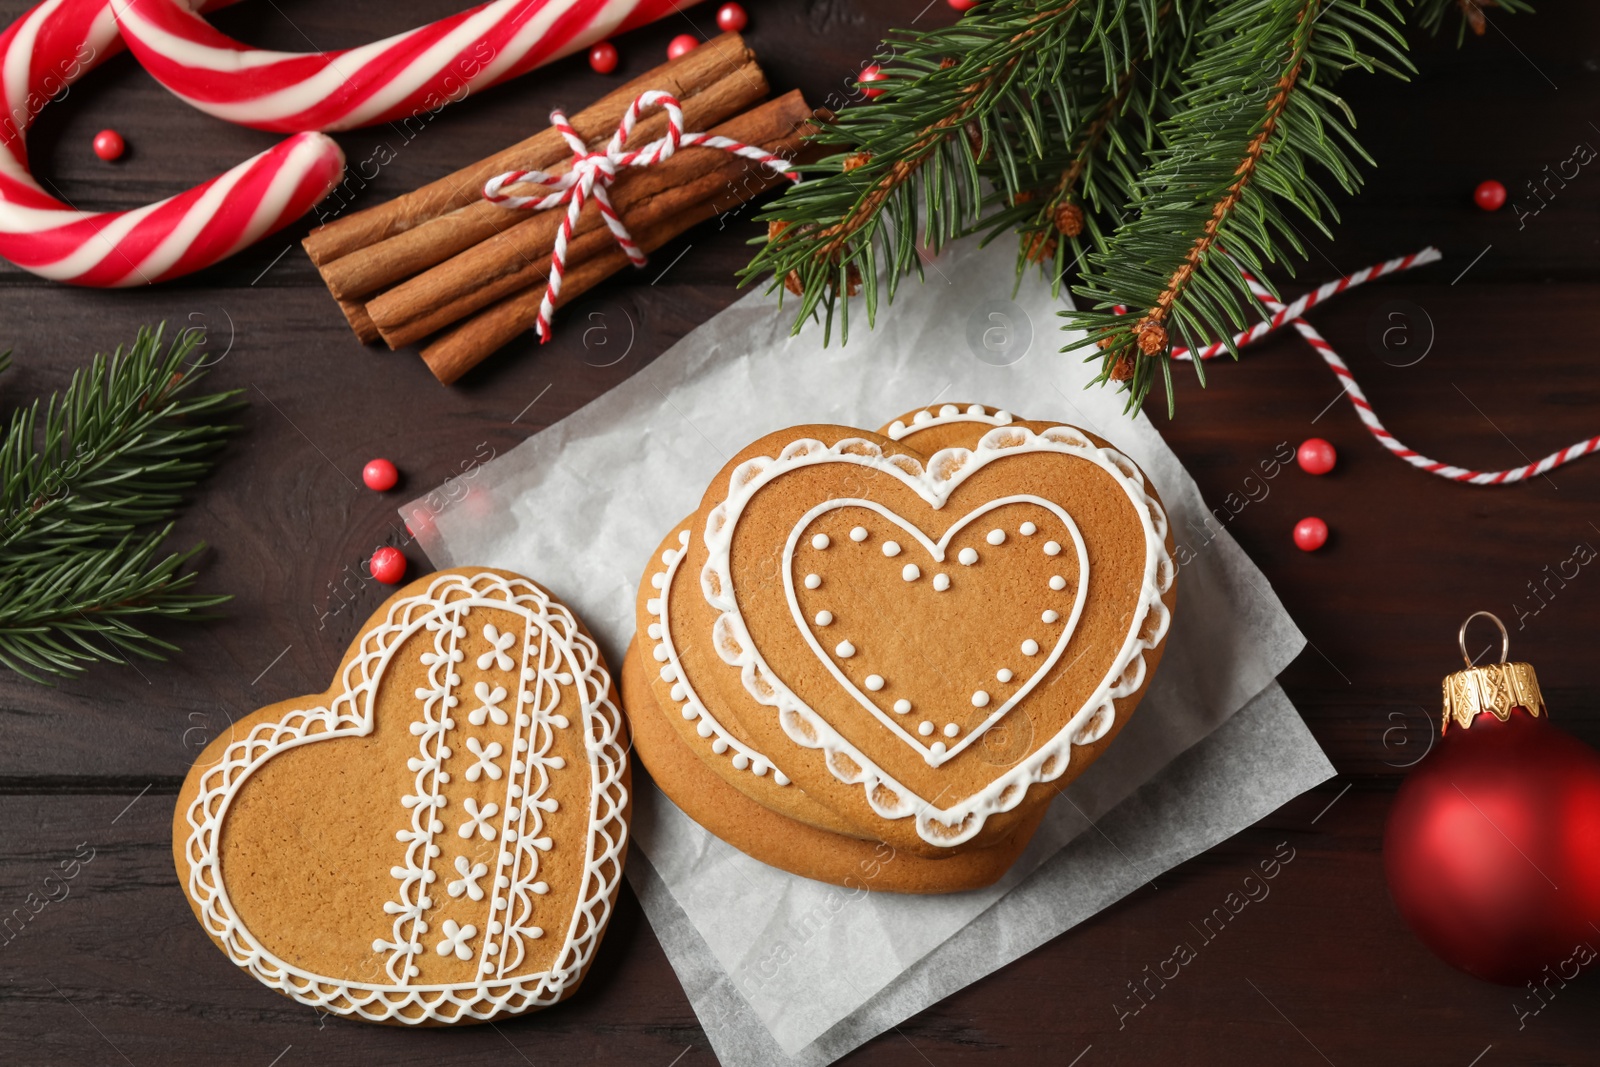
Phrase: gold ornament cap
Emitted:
{"points": [[1494, 687]]}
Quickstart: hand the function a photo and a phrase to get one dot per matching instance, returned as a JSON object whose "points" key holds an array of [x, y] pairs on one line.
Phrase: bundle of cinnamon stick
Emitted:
{"points": [[443, 266]]}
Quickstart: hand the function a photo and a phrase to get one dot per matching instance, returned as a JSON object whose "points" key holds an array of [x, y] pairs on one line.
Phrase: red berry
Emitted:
{"points": [[682, 45], [871, 74], [1316, 456], [731, 18], [963, 5], [1310, 534], [1490, 195], [380, 474], [109, 145], [388, 565], [603, 58]]}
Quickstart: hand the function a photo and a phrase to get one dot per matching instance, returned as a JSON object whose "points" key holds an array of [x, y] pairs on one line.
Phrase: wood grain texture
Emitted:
{"points": [[1322, 971]]}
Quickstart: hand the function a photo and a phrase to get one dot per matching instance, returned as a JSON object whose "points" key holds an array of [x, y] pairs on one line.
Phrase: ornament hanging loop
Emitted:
{"points": [[1494, 687], [1505, 638]]}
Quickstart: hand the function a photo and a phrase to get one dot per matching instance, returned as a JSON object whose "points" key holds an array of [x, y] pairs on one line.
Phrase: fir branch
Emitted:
{"points": [[82, 478], [1255, 119], [995, 87]]}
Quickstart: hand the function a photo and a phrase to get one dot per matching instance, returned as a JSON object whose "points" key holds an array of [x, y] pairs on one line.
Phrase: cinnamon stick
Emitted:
{"points": [[519, 257], [471, 341], [355, 313], [685, 77]]}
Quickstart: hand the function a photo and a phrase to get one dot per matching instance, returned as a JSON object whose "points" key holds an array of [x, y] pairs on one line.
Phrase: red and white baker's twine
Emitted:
{"points": [[593, 172], [1291, 313]]}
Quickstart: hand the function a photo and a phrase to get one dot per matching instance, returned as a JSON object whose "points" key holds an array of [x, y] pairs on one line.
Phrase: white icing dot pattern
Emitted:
{"points": [[844, 650], [951, 729], [910, 572], [980, 699], [925, 729], [902, 707], [996, 537], [1030, 647], [1052, 548], [1004, 674], [941, 582], [874, 682], [813, 581], [820, 542], [891, 548], [1028, 529], [967, 556], [858, 534], [1050, 615], [824, 618], [1058, 583]]}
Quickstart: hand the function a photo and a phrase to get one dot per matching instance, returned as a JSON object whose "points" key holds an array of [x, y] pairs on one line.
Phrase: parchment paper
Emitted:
{"points": [[782, 968]]}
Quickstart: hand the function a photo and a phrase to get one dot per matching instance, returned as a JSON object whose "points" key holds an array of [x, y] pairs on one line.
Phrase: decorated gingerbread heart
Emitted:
{"points": [[439, 837], [882, 616]]}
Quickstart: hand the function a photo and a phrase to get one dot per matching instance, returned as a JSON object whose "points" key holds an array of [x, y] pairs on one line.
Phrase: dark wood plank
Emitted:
{"points": [[1321, 970]]}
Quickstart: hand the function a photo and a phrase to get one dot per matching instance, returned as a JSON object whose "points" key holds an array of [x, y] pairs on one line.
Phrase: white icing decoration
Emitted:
{"points": [[947, 414], [1051, 548], [692, 707], [980, 699], [1050, 615], [858, 534], [941, 582], [813, 580], [820, 542], [1148, 620], [824, 618], [874, 682], [497, 654], [996, 537], [845, 650], [478, 819], [902, 707], [925, 728], [497, 990], [1030, 647], [454, 941], [489, 703], [1027, 529], [468, 882], [937, 748], [967, 557], [1004, 674], [891, 548], [951, 729], [910, 572], [1057, 582], [486, 757]]}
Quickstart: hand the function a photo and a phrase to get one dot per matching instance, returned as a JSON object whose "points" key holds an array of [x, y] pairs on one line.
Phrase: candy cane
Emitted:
{"points": [[49, 49], [420, 70], [1282, 314]]}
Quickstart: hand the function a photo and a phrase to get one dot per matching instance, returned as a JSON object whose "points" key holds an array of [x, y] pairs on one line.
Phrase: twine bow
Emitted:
{"points": [[592, 173]]}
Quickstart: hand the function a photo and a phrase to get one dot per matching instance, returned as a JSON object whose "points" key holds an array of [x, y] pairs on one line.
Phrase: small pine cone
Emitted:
{"points": [[1105, 342], [1152, 337], [1122, 369], [974, 140], [946, 63], [791, 282], [1069, 219], [774, 228], [1040, 247], [1024, 196], [860, 159]]}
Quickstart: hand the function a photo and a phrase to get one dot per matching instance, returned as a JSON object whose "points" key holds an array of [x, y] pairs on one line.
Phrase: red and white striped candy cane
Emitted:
{"points": [[593, 172], [420, 70], [1290, 314], [48, 49]]}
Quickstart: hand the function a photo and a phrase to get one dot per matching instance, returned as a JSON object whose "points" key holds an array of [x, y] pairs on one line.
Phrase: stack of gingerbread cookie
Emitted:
{"points": [[874, 658]]}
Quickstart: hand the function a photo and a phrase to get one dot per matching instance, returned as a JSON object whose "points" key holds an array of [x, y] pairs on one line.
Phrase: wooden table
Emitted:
{"points": [[1323, 971]]}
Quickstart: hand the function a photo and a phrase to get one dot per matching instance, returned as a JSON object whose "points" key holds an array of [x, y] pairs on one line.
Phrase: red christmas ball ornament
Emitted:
{"points": [[388, 565], [1493, 845], [380, 475], [109, 145], [1490, 195], [1315, 456], [682, 45], [872, 73], [963, 5], [1310, 534], [603, 58], [731, 18]]}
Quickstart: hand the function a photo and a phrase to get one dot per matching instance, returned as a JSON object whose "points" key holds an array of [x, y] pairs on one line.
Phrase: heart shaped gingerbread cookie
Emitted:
{"points": [[438, 838], [883, 615]]}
